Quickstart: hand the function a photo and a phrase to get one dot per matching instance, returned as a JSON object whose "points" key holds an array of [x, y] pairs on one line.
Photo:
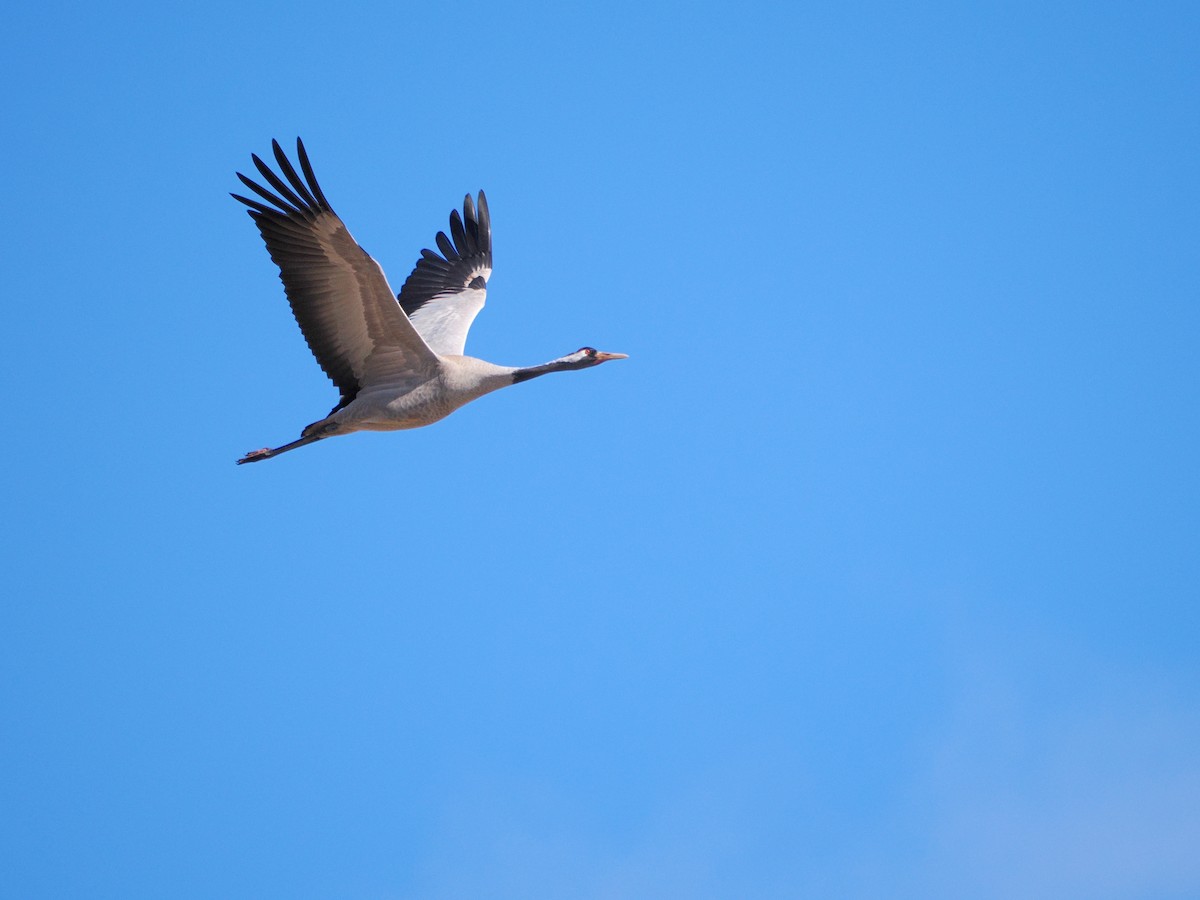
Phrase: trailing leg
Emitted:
{"points": [[313, 433]]}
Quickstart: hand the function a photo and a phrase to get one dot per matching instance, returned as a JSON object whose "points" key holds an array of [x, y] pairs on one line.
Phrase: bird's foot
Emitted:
{"points": [[255, 455]]}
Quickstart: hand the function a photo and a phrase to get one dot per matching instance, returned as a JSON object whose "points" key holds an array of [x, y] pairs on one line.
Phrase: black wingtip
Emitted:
{"points": [[294, 179], [445, 246], [307, 169], [278, 183], [485, 223], [256, 208]]}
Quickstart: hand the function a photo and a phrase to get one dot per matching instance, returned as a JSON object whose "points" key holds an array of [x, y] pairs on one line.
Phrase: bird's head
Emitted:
{"points": [[588, 356]]}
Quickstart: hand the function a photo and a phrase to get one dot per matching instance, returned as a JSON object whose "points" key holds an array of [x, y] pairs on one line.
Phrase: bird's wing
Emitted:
{"points": [[444, 293], [338, 293]]}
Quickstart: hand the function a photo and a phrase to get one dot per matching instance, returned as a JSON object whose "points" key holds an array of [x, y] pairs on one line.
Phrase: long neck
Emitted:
{"points": [[558, 365]]}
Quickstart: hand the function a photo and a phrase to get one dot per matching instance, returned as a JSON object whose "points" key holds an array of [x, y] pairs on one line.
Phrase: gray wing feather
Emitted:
{"points": [[339, 295]]}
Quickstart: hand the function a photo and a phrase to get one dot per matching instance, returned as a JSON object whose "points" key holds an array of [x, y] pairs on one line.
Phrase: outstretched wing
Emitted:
{"points": [[444, 293], [338, 293]]}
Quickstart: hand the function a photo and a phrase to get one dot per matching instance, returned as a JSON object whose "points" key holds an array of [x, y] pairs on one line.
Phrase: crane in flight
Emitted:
{"points": [[396, 359]]}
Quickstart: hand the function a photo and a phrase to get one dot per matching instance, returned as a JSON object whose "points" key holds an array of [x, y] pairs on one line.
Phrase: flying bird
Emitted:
{"points": [[396, 359]]}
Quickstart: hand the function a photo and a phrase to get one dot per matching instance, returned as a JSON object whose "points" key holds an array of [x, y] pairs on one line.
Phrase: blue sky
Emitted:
{"points": [[872, 572]]}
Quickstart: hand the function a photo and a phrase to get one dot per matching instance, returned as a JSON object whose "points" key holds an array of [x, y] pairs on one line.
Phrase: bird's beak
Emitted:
{"points": [[605, 357]]}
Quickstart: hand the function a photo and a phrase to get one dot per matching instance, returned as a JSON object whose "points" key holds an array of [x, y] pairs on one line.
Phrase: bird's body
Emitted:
{"points": [[398, 361], [404, 404]]}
